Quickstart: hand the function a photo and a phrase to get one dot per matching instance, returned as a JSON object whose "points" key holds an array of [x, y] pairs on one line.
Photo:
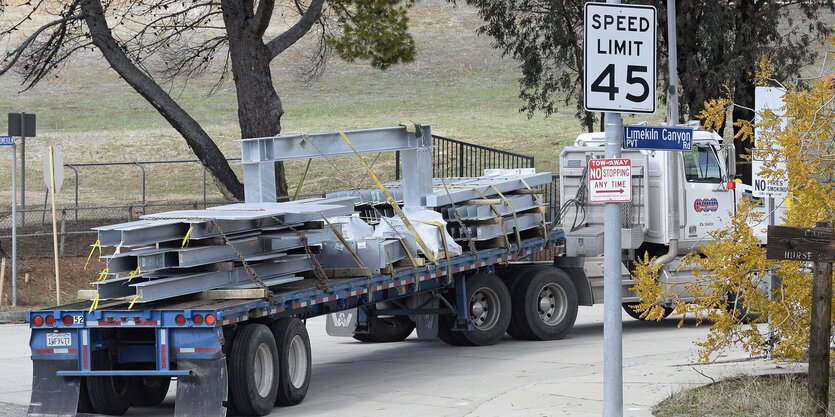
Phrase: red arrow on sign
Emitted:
{"points": [[610, 191]]}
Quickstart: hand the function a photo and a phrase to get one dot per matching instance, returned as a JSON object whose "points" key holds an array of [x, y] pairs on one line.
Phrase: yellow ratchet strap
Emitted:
{"points": [[392, 201], [133, 273], [301, 181], [188, 235], [133, 301], [515, 219], [96, 245], [346, 245], [103, 274], [95, 304]]}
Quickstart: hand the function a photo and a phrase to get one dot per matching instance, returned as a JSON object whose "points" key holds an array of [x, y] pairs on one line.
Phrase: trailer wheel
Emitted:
{"points": [[294, 360], [253, 370], [84, 404], [149, 391], [489, 309], [386, 329], [630, 310], [544, 305], [108, 394]]}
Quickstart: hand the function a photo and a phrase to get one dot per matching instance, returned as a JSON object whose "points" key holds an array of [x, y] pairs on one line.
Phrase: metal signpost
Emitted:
{"points": [[619, 76], [9, 141]]}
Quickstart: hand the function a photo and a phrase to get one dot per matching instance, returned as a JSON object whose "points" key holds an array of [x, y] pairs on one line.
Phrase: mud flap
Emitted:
{"points": [[203, 392], [426, 324], [54, 395], [342, 324]]}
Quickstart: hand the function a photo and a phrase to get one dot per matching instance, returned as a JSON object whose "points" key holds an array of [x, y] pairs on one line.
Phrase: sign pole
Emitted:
{"points": [[23, 169], [54, 225], [14, 225], [819, 334], [612, 297]]}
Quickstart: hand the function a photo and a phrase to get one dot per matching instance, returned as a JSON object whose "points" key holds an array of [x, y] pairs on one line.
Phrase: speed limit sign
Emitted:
{"points": [[619, 59]]}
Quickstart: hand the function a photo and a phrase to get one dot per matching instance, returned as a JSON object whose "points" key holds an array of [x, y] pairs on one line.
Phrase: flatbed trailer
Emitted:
{"points": [[130, 353]]}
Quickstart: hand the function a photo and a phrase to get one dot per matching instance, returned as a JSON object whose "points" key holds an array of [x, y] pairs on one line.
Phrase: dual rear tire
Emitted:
{"points": [[268, 365]]}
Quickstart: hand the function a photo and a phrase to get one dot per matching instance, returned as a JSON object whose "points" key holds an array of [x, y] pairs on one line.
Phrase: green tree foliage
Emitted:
{"points": [[718, 43]]}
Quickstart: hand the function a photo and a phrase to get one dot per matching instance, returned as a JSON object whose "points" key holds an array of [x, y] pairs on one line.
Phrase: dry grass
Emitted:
{"points": [[746, 396]]}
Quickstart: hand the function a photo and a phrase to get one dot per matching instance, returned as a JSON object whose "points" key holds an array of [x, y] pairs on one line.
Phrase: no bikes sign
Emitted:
{"points": [[619, 58]]}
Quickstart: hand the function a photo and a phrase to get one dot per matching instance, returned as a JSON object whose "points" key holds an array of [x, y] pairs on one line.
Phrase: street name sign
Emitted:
{"points": [[619, 58], [6, 141], [610, 180], [814, 244], [658, 138]]}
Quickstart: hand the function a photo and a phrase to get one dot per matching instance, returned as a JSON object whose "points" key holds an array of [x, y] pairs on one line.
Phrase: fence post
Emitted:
{"points": [[397, 165], [63, 230], [130, 212], [204, 187], [143, 185], [461, 159], [75, 171]]}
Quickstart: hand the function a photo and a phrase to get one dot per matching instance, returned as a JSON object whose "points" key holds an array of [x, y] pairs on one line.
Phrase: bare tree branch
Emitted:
{"points": [[262, 17], [13, 55], [283, 41]]}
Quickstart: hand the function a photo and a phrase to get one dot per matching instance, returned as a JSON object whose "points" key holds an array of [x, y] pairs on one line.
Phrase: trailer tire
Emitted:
{"points": [[387, 329], [294, 360], [629, 309], [108, 394], [84, 404], [489, 309], [253, 370], [149, 391], [544, 305]]}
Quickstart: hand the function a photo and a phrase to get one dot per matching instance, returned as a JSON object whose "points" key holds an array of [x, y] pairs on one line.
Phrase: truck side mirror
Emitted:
{"points": [[730, 153]]}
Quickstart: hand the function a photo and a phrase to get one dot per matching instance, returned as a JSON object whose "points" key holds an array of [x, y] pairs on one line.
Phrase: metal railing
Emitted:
{"points": [[454, 158], [141, 165]]}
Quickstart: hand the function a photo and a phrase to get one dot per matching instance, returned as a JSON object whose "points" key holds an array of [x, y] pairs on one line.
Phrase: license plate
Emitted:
{"points": [[58, 339]]}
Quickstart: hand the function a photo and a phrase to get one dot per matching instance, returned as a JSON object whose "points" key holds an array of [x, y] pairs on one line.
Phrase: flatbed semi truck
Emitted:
{"points": [[243, 356]]}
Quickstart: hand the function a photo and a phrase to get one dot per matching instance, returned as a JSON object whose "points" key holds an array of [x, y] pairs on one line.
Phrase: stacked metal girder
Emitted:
{"points": [[184, 252], [485, 205]]}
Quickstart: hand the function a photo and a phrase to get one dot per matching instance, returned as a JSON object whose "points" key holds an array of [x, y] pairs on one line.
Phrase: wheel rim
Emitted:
{"points": [[297, 362], [263, 370], [552, 304], [484, 308]]}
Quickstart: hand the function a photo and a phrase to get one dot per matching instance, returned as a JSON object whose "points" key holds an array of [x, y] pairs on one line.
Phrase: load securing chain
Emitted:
{"points": [[268, 294], [318, 271], [465, 229]]}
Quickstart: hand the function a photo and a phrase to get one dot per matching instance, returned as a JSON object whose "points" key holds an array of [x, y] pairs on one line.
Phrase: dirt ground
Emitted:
{"points": [[39, 289]]}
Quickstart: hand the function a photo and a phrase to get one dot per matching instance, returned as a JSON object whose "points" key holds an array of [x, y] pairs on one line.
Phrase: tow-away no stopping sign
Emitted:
{"points": [[619, 56], [610, 180]]}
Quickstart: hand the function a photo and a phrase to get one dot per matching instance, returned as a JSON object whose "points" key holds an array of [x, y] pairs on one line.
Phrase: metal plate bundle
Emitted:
{"points": [[482, 232], [184, 252]]}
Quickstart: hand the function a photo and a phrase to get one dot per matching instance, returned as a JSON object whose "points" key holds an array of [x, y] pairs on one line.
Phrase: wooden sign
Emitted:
{"points": [[813, 244]]}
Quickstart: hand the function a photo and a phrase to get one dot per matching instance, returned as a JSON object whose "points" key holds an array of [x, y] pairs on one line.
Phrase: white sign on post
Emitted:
{"points": [[610, 180], [59, 170], [619, 58], [768, 99]]}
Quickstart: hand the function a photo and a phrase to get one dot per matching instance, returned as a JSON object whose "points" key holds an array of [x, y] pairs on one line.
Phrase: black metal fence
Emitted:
{"points": [[454, 158]]}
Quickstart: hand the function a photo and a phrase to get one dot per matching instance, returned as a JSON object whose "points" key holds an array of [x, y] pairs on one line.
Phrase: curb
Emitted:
{"points": [[12, 316]]}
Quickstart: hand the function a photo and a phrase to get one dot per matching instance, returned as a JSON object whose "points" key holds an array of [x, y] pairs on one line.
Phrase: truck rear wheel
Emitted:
{"points": [[253, 370], [108, 394], [544, 305], [386, 329], [294, 360], [84, 404], [149, 391], [488, 305]]}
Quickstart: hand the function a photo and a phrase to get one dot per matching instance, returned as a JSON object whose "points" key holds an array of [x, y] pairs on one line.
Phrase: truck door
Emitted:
{"points": [[708, 204]]}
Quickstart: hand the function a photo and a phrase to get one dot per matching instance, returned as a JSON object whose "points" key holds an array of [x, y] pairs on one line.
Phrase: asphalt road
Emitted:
{"points": [[420, 378]]}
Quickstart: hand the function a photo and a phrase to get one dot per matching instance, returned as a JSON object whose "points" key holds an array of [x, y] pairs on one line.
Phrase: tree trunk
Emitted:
{"points": [[197, 139], [259, 107]]}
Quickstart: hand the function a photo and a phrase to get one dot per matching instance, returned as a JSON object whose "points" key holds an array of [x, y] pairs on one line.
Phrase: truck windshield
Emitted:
{"points": [[701, 165]]}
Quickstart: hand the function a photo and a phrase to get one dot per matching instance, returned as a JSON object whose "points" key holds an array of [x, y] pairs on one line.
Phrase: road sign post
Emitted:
{"points": [[23, 125], [619, 76], [9, 141]]}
